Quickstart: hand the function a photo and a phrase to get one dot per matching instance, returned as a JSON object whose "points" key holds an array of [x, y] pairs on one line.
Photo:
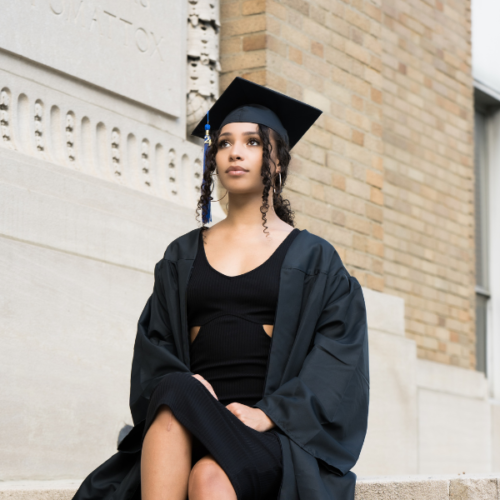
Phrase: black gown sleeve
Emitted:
{"points": [[155, 353], [324, 409]]}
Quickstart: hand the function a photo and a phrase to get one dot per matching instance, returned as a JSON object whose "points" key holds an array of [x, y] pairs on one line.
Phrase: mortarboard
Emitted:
{"points": [[245, 101]]}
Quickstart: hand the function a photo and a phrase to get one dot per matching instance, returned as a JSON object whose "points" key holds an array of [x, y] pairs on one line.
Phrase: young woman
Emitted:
{"points": [[250, 370]]}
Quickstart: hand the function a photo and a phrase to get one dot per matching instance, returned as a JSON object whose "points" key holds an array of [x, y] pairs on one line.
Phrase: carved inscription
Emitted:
{"points": [[94, 19]]}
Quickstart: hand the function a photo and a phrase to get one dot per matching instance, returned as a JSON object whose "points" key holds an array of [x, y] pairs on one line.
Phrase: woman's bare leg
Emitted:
{"points": [[208, 481], [166, 458]]}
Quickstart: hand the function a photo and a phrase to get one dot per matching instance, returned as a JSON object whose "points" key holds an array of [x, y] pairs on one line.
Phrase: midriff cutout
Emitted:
{"points": [[268, 329]]}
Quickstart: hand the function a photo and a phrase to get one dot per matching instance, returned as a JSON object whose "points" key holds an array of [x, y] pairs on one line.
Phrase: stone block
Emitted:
{"points": [[391, 442], [38, 490], [454, 433], [386, 313], [67, 36], [474, 488], [495, 436], [402, 488], [76, 260]]}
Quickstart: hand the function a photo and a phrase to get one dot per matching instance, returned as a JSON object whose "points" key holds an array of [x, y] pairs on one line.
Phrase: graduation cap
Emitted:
{"points": [[245, 101]]}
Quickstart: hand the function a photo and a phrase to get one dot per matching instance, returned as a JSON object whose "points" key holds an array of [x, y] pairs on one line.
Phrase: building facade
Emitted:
{"points": [[387, 176], [400, 174]]}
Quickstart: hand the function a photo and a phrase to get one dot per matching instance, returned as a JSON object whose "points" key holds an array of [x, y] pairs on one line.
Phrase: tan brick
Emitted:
{"points": [[231, 46], [295, 55], [259, 76], [229, 10], [276, 45], [276, 9], [376, 196], [246, 60], [253, 7], [300, 5], [374, 178], [254, 42], [317, 49], [357, 137], [243, 26]]}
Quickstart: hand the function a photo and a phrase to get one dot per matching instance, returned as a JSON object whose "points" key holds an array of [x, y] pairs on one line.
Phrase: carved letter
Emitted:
{"points": [[156, 47], [110, 19], [126, 25], [142, 45], [56, 11], [77, 10], [95, 19]]}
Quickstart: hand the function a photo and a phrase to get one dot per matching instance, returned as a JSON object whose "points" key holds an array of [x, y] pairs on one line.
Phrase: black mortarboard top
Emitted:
{"points": [[245, 101]]}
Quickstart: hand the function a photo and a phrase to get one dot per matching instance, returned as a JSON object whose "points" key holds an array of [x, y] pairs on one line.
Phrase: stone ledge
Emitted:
{"points": [[449, 487], [452, 487], [38, 490]]}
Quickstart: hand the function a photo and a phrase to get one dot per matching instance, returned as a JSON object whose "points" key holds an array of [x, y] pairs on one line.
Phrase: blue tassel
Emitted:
{"points": [[206, 212]]}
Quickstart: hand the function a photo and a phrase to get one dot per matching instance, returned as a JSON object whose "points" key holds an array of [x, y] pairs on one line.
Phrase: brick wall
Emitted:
{"points": [[428, 161], [386, 173]]}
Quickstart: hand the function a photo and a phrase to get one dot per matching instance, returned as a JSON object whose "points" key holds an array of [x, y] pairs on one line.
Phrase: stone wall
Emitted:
{"points": [[386, 173], [97, 177]]}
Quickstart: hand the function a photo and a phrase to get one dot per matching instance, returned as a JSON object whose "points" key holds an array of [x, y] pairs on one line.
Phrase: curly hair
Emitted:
{"points": [[281, 205]]}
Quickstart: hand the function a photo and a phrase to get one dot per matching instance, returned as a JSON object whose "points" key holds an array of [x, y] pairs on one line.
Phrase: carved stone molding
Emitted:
{"points": [[5, 127], [203, 59], [47, 124]]}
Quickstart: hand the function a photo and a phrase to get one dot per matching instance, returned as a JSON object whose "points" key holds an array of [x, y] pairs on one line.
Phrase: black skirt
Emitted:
{"points": [[252, 460]]}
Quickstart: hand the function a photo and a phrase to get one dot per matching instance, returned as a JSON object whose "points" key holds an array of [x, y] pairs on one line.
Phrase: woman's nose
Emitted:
{"points": [[236, 152]]}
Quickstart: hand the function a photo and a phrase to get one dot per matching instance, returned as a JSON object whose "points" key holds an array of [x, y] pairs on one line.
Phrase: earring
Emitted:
{"points": [[278, 192], [215, 201]]}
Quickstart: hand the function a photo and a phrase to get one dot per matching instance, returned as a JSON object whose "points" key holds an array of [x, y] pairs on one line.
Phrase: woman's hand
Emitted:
{"points": [[207, 384], [253, 417]]}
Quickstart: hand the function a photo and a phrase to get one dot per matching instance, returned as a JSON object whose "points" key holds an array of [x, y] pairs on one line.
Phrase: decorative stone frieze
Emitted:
{"points": [[203, 58], [43, 122], [4, 118]]}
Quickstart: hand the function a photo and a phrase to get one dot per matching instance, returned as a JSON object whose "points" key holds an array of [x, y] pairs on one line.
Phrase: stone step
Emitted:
{"points": [[38, 490], [451, 487]]}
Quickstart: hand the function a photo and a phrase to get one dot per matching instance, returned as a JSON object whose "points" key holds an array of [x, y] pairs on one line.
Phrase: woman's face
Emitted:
{"points": [[239, 158]]}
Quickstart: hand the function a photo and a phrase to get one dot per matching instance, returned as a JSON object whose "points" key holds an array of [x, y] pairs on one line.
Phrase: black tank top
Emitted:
{"points": [[231, 349]]}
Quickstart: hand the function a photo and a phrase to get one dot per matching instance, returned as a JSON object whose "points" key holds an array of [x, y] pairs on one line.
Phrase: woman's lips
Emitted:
{"points": [[236, 171]]}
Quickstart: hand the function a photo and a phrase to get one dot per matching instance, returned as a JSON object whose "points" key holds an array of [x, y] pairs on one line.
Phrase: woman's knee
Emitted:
{"points": [[165, 418], [207, 475]]}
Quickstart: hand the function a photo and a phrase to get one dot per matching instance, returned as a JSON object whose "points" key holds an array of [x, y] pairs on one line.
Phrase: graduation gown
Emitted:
{"points": [[317, 382]]}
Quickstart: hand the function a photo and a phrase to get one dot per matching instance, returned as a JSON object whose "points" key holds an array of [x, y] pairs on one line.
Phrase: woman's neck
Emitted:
{"points": [[244, 211]]}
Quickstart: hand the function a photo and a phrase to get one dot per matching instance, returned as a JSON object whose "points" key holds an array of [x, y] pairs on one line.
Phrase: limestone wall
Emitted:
{"points": [[97, 176]]}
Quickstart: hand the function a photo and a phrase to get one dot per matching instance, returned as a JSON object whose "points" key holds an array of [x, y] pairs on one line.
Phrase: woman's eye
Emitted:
{"points": [[254, 142], [223, 144]]}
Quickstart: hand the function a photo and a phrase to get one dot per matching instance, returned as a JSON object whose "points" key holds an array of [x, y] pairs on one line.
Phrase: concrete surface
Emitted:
{"points": [[455, 487]]}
